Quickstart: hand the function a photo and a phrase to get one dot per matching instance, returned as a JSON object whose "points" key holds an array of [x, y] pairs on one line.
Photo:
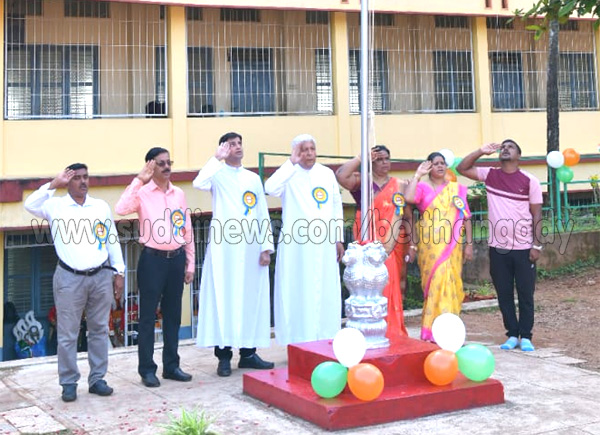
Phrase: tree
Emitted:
{"points": [[553, 13]]}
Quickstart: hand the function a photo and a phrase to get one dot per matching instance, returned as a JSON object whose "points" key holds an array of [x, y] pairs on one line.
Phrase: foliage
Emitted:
{"points": [[576, 268], [559, 10], [595, 182], [189, 423], [413, 296]]}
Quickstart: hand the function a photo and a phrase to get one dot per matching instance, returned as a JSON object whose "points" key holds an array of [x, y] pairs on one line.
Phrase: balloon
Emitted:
{"points": [[555, 159], [450, 175], [329, 379], [476, 362], [365, 381], [448, 156], [441, 367], [571, 157], [449, 331], [564, 174], [457, 160], [349, 346]]}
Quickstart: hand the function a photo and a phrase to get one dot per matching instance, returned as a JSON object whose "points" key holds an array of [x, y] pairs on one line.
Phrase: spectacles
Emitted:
{"points": [[164, 163]]}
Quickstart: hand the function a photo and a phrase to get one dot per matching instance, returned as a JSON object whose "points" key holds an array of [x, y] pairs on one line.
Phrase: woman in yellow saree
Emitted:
{"points": [[444, 232], [388, 193]]}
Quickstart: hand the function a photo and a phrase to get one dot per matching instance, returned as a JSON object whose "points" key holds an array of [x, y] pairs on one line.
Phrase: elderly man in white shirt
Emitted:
{"points": [[90, 266]]}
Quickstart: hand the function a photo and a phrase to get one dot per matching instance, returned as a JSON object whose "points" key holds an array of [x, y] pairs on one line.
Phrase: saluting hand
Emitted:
{"points": [[423, 169], [62, 179], [223, 151], [296, 154], [147, 171], [490, 148]]}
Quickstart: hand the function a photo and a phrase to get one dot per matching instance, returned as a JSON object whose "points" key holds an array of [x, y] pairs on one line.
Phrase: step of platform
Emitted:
{"points": [[406, 395]]}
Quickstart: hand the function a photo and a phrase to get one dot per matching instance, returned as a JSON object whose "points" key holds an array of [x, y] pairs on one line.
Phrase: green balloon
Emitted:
{"points": [[564, 174], [329, 379], [476, 362], [457, 160]]}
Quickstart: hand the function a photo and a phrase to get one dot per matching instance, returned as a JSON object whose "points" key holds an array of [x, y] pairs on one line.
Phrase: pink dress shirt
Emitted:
{"points": [[154, 208]]}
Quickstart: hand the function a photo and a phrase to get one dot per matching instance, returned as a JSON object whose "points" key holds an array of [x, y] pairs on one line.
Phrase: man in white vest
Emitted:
{"points": [[307, 279], [234, 306]]}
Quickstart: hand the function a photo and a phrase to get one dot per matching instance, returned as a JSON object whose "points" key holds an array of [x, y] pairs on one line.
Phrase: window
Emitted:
{"points": [[451, 22], [507, 80], [52, 81], [500, 23], [576, 81], [377, 81], [252, 80], [248, 15], [193, 14], [23, 8], [87, 9], [317, 17], [323, 80], [453, 81], [200, 80], [383, 19], [569, 26]]}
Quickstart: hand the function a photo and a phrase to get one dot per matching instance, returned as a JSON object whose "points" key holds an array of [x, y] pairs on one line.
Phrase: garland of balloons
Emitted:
{"points": [[475, 361], [364, 380], [563, 163]]}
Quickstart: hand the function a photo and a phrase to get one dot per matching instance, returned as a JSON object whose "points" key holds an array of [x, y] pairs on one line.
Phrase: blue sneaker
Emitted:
{"points": [[511, 343], [527, 345]]}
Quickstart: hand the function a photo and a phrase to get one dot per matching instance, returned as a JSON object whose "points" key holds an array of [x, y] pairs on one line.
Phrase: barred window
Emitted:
{"points": [[317, 17], [450, 22], [569, 26], [200, 80], [22, 8], [576, 81], [383, 19], [377, 82], [240, 15], [507, 80], [500, 23], [323, 81], [87, 8], [453, 81]]}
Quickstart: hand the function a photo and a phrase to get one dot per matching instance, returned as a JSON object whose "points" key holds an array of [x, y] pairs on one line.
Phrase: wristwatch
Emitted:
{"points": [[538, 247]]}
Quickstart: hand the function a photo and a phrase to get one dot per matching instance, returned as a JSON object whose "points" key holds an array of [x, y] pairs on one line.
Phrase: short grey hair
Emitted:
{"points": [[303, 138]]}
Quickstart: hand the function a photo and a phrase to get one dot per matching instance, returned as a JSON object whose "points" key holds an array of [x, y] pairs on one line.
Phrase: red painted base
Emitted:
{"points": [[407, 393]]}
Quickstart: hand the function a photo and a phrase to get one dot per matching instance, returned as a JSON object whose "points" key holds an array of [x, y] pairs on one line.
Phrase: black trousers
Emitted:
{"points": [[226, 353], [160, 279], [509, 268]]}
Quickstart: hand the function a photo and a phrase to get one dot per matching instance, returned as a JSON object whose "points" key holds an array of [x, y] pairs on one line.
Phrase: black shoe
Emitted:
{"points": [[150, 380], [224, 367], [178, 375], [101, 388], [69, 392], [254, 362]]}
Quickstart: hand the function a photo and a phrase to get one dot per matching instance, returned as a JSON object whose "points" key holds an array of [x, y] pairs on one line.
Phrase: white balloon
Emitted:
{"points": [[555, 159], [349, 346], [448, 156], [449, 332]]}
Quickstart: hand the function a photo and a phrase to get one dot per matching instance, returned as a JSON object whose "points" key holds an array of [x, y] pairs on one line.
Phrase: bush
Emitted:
{"points": [[189, 423]]}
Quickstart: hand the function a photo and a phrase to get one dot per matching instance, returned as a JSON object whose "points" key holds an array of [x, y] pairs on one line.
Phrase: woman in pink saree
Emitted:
{"points": [[445, 239]]}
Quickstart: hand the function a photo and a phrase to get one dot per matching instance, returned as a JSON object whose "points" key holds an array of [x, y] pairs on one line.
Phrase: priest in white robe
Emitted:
{"points": [[308, 298], [234, 309]]}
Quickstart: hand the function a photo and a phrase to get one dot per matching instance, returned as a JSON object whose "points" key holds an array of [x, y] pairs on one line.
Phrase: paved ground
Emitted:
{"points": [[545, 394]]}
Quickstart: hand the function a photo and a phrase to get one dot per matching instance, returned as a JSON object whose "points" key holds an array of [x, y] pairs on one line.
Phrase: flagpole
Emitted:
{"points": [[365, 166]]}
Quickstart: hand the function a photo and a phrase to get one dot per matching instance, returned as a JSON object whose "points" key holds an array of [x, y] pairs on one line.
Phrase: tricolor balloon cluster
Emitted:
{"points": [[364, 380], [475, 361], [452, 162], [563, 162]]}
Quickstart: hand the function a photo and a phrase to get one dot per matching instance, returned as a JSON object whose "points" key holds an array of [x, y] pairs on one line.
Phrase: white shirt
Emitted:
{"points": [[73, 229]]}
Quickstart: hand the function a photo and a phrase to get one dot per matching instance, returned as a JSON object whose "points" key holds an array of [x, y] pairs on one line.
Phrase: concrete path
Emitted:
{"points": [[545, 394]]}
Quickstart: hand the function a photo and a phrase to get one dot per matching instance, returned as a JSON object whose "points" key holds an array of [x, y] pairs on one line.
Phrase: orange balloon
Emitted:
{"points": [[441, 367], [450, 175], [365, 381], [571, 157]]}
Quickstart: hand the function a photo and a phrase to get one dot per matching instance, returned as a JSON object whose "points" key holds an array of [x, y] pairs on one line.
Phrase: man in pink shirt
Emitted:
{"points": [[514, 211], [166, 262]]}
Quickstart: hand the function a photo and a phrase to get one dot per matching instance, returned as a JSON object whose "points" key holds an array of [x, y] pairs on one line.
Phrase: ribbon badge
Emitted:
{"points": [[178, 221], [101, 233], [249, 199], [320, 195], [399, 201], [460, 205]]}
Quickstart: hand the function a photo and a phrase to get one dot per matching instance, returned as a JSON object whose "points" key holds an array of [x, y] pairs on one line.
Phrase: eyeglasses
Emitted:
{"points": [[164, 163]]}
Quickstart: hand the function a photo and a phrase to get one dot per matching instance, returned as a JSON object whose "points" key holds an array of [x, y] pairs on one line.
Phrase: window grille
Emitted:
{"points": [[416, 66], [500, 23], [451, 22], [23, 8], [383, 19], [569, 26], [193, 14], [60, 67], [87, 8], [240, 15], [250, 68], [518, 69], [317, 17]]}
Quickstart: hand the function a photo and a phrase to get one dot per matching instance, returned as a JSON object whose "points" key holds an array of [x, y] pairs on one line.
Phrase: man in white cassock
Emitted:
{"points": [[234, 308], [308, 295]]}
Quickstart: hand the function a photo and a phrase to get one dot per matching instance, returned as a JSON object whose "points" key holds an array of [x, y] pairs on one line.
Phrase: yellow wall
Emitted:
{"points": [[1, 286]]}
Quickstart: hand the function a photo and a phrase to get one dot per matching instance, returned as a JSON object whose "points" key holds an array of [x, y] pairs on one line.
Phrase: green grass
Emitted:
{"points": [[189, 423], [576, 268]]}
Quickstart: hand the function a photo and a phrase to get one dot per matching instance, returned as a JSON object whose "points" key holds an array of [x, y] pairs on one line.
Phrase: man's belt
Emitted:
{"points": [[87, 272], [161, 253]]}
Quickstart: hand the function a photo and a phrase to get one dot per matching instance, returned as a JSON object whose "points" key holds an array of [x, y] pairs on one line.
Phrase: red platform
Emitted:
{"points": [[407, 393]]}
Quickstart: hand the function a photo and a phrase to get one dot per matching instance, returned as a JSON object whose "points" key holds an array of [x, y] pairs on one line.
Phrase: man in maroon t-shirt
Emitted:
{"points": [[514, 211]]}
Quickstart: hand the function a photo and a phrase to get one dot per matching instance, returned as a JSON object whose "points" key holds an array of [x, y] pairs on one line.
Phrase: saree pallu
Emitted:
{"points": [[384, 211], [440, 254]]}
